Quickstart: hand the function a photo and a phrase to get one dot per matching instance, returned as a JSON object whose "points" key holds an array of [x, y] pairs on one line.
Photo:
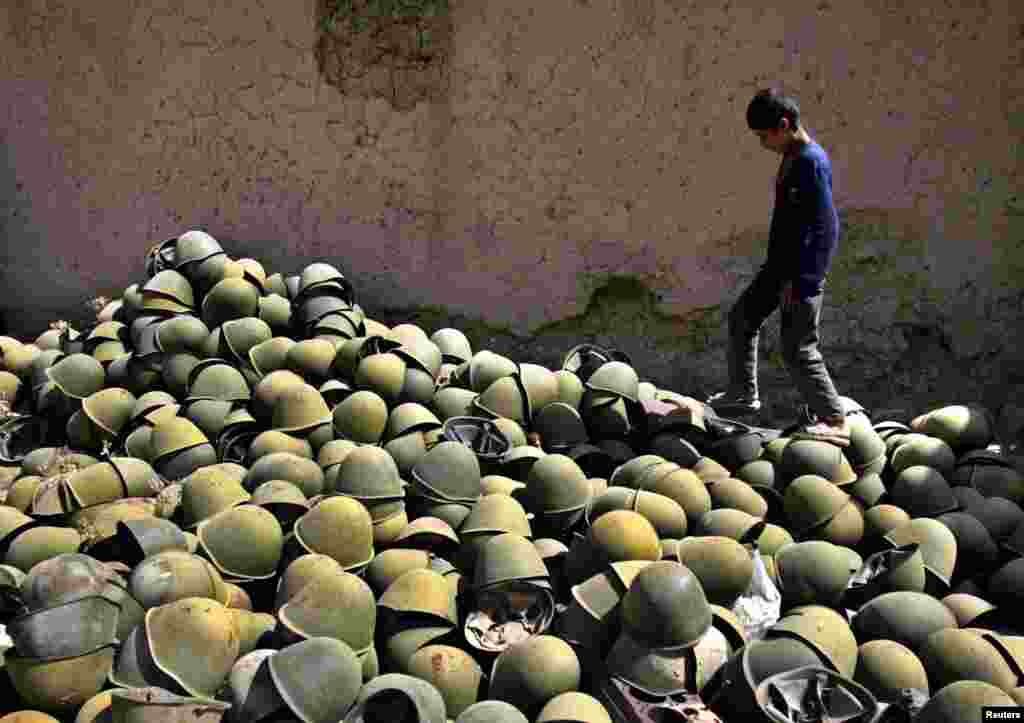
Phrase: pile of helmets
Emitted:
{"points": [[237, 497]]}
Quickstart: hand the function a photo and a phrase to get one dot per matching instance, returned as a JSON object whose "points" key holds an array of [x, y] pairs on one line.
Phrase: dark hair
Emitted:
{"points": [[769, 107]]}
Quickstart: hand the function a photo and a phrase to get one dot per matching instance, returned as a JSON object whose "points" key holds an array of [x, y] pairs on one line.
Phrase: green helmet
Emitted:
{"points": [[938, 545], [32, 545], [230, 298], [886, 668], [311, 359], [665, 606], [962, 701], [961, 426], [60, 685], [193, 247], [486, 367], [318, 678], [109, 409], [656, 672], [923, 492], [383, 373], [733, 493], [319, 531], [492, 711], [903, 616], [555, 484], [509, 558], [334, 604], [497, 512], [534, 672], [302, 472], [805, 456], [195, 641], [949, 655], [454, 345], [823, 629], [681, 485], [451, 471], [453, 672], [811, 500], [574, 707], [421, 591], [722, 565], [617, 378], [208, 491], [812, 572], [505, 397], [920, 449], [300, 409], [451, 402], [362, 417], [379, 697], [77, 375], [244, 542], [389, 565], [274, 441], [174, 575]]}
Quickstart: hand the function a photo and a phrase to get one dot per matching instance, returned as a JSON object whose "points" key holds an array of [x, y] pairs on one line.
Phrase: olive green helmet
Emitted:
{"points": [[811, 500], [453, 672], [812, 572], [508, 558], [555, 484], [961, 426], [450, 471], [574, 707], [805, 456], [299, 409], [451, 402], [665, 606], [534, 672], [886, 668], [492, 711], [302, 472], [77, 375], [455, 347], [230, 298], [388, 565], [383, 373], [920, 449], [497, 512], [422, 591], [923, 492], [274, 441], [173, 575], [412, 698], [244, 542], [334, 604], [486, 367], [722, 565], [823, 629], [320, 531], [362, 417], [206, 492], [681, 485], [736, 494], [318, 678], [109, 410], [904, 616], [938, 546], [962, 701], [949, 655]]}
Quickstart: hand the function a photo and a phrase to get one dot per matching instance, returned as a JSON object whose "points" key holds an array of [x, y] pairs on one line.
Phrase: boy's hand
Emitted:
{"points": [[788, 296]]}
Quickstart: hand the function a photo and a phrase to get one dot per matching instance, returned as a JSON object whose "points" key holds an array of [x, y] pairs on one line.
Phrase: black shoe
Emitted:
{"points": [[728, 403]]}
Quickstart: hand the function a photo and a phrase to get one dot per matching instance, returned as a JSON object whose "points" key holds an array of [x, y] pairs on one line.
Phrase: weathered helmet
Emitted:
{"points": [[421, 591], [961, 426], [492, 711], [812, 572], [560, 426], [811, 500], [383, 373], [508, 558], [722, 565], [729, 492], [886, 668], [532, 673], [555, 484], [173, 575], [681, 485], [302, 472], [318, 531], [333, 604], [616, 536], [454, 345], [194, 641], [244, 542], [920, 449], [318, 678], [362, 417], [230, 298], [906, 617], [208, 491], [962, 701], [453, 672], [194, 246], [949, 655], [574, 707], [938, 545], [823, 629], [451, 471], [665, 606], [923, 492], [77, 375], [805, 456], [300, 409]]}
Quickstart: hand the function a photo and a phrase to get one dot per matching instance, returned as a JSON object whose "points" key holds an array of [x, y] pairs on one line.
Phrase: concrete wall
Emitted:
{"points": [[560, 171]]}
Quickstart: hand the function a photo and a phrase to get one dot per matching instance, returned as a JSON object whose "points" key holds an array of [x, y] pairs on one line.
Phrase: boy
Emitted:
{"points": [[802, 243]]}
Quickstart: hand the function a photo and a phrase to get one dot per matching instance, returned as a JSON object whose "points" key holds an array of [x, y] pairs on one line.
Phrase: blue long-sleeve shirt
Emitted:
{"points": [[804, 234]]}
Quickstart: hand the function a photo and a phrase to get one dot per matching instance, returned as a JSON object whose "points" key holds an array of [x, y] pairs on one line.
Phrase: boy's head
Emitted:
{"points": [[774, 118]]}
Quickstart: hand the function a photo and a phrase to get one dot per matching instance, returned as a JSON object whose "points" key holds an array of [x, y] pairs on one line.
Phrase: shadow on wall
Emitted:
{"points": [[14, 216]]}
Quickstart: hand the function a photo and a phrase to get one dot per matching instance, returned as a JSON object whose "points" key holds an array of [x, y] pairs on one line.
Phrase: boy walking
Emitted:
{"points": [[802, 243]]}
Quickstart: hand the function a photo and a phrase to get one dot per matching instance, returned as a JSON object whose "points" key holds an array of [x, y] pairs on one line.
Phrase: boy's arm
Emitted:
{"points": [[810, 229]]}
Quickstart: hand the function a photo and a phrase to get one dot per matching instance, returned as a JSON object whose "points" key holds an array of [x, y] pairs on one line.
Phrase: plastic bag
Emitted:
{"points": [[761, 605], [5, 644]]}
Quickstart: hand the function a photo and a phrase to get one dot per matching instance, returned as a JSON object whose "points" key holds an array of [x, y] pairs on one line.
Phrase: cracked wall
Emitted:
{"points": [[576, 142]]}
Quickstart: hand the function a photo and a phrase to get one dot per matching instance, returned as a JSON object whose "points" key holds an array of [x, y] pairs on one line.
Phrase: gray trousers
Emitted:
{"points": [[799, 339]]}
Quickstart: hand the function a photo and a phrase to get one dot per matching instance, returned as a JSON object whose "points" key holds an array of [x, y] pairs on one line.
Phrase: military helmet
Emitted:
{"points": [[823, 629], [454, 345], [77, 375], [453, 672], [217, 379], [168, 286], [919, 449], [173, 575], [300, 409], [492, 711], [938, 545], [240, 336], [950, 654], [272, 441], [923, 492], [244, 542], [811, 500], [882, 518], [534, 672], [451, 471], [805, 456], [886, 668], [194, 246], [379, 696], [904, 616], [555, 484], [508, 558], [976, 552], [319, 678], [333, 604], [319, 531], [961, 426], [999, 515], [560, 426], [302, 472], [722, 565], [422, 591], [382, 373], [962, 701], [362, 417], [207, 492], [812, 572], [665, 606], [230, 298], [497, 513], [733, 493], [574, 707]]}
